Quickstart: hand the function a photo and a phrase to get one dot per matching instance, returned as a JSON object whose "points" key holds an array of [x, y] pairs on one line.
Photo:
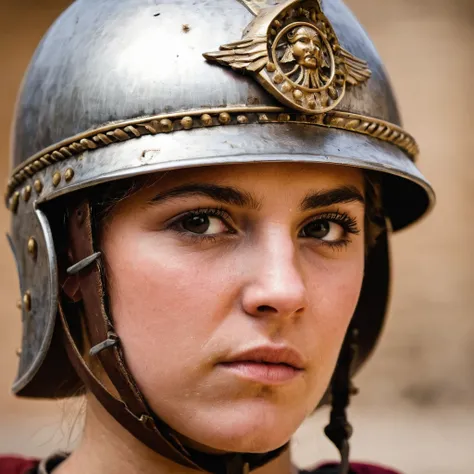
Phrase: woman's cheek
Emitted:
{"points": [[165, 308], [333, 299]]}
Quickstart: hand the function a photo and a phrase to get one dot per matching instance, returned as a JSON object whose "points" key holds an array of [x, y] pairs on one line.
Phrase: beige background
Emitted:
{"points": [[416, 407]]}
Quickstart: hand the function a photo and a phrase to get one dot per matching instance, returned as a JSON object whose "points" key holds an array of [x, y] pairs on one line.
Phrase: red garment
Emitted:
{"points": [[358, 468], [15, 465]]}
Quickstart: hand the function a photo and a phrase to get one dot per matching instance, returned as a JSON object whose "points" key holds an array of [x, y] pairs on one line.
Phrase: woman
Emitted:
{"points": [[208, 264]]}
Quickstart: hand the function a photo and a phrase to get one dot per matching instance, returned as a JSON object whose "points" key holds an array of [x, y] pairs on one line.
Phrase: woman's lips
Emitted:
{"points": [[269, 364], [262, 372]]}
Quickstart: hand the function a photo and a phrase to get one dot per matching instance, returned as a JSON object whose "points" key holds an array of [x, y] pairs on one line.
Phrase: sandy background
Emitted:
{"points": [[416, 407]]}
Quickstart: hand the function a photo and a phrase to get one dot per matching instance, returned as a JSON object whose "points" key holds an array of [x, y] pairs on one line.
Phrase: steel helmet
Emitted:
{"points": [[121, 88]]}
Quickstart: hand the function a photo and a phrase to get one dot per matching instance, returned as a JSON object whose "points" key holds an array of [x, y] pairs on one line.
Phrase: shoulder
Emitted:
{"points": [[356, 468], [16, 465]]}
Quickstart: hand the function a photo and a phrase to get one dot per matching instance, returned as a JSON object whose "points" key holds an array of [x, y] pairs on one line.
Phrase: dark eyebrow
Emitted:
{"points": [[340, 195], [223, 194]]}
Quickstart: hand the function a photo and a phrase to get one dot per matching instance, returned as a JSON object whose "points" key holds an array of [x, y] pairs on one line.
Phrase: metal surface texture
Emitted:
{"points": [[39, 282], [129, 92], [126, 59]]}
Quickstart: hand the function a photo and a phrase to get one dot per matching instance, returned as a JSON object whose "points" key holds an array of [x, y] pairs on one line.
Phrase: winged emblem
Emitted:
{"points": [[293, 51], [248, 54]]}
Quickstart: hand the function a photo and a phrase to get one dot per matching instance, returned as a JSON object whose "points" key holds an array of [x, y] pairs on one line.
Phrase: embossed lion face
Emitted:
{"points": [[305, 45]]}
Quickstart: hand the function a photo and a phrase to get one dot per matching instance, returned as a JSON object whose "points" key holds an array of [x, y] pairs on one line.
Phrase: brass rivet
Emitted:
{"points": [[206, 120], [15, 201], [32, 247], [166, 125], [242, 119], [277, 78], [187, 122], [224, 118], [297, 94], [38, 186], [18, 352], [283, 117], [56, 178], [286, 87], [27, 301], [271, 67], [68, 174], [263, 118], [27, 193]]}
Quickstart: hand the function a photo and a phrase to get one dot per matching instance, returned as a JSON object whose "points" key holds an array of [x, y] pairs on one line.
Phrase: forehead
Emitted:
{"points": [[263, 177], [306, 31]]}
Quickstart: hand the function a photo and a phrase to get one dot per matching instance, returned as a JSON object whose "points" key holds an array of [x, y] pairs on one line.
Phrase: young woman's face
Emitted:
{"points": [[231, 288]]}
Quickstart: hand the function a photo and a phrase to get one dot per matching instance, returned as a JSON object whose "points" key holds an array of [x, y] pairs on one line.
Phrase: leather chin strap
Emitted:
{"points": [[339, 429], [131, 410]]}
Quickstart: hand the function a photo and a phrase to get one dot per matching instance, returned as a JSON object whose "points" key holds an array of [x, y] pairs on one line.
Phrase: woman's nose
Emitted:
{"points": [[276, 285]]}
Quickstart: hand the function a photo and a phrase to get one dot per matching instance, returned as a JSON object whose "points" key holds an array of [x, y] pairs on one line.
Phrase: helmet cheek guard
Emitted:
{"points": [[132, 93], [32, 244]]}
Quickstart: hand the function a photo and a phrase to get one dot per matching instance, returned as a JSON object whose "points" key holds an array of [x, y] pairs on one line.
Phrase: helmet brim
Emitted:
{"points": [[407, 195]]}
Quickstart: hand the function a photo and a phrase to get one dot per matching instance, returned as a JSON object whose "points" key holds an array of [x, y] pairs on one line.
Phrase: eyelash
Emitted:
{"points": [[348, 224], [220, 212]]}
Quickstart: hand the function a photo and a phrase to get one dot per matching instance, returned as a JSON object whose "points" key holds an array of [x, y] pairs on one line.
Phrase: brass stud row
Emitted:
{"points": [[38, 187], [26, 193], [338, 119], [68, 175]]}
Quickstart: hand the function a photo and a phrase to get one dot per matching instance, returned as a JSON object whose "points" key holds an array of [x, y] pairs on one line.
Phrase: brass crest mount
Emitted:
{"points": [[293, 51]]}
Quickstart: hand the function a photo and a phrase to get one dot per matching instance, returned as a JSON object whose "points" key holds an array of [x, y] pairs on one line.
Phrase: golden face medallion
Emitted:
{"points": [[293, 51]]}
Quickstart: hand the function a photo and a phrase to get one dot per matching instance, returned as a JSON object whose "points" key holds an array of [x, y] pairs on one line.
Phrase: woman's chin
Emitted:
{"points": [[248, 442], [251, 433]]}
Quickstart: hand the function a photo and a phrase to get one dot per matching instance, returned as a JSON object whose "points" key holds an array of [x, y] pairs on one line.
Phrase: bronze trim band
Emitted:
{"points": [[166, 123]]}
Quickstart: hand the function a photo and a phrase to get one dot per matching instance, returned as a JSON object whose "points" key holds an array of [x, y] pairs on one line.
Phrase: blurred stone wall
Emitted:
{"points": [[416, 407]]}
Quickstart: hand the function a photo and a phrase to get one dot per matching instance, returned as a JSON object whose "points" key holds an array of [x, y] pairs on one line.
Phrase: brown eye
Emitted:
{"points": [[196, 224], [323, 229], [203, 224]]}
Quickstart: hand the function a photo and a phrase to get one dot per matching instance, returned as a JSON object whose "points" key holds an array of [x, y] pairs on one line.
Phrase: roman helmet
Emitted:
{"points": [[121, 88]]}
